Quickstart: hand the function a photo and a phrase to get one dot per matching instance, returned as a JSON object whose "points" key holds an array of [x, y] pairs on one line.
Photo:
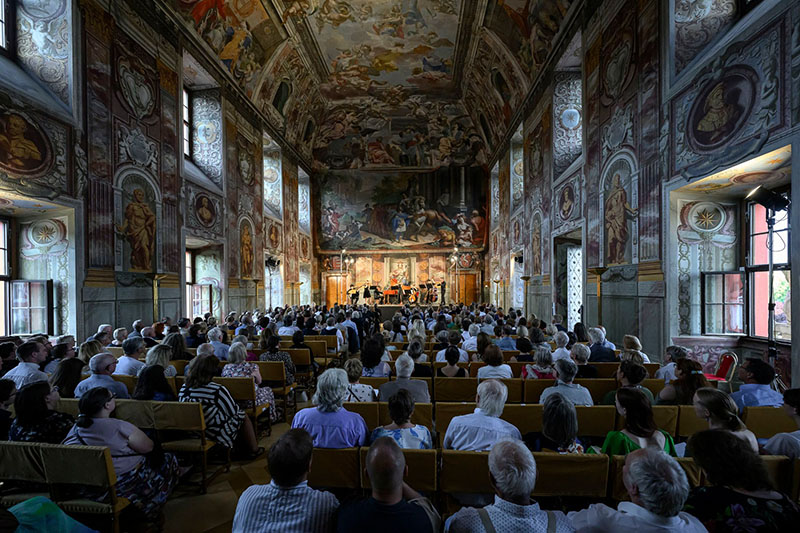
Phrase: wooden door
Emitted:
{"points": [[336, 290], [468, 289]]}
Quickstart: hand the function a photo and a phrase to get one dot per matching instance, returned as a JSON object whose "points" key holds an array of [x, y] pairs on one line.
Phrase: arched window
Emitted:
{"points": [[282, 96]]}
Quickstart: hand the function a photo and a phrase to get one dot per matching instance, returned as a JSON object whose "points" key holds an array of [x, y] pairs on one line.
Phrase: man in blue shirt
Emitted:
{"points": [[220, 348], [756, 390], [102, 366]]}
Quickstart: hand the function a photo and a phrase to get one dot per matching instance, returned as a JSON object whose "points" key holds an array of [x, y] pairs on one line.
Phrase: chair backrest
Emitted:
{"points": [[422, 469], [69, 406], [423, 415], [515, 390], [22, 461], [606, 370], [526, 418], [665, 417], [180, 365], [128, 381], [694, 475], [374, 382], [318, 348], [335, 468], [688, 421], [766, 422], [330, 341], [598, 387], [726, 366], [508, 354], [138, 412], [300, 356], [183, 416], [455, 389], [595, 421], [428, 382], [533, 388], [654, 385], [96, 468], [272, 371], [779, 468], [241, 389], [367, 410], [444, 412], [116, 351]]}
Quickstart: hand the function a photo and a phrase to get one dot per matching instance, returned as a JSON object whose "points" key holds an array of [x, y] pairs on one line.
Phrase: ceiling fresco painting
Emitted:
{"points": [[770, 170]]}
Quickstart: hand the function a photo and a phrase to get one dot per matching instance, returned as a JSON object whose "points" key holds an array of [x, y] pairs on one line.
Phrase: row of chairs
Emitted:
{"points": [[604, 370], [596, 421], [569, 475], [519, 390]]}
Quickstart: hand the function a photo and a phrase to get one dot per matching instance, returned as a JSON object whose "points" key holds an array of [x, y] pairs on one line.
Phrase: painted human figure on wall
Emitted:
{"points": [[617, 213], [720, 116], [536, 245], [139, 228], [17, 151], [246, 251]]}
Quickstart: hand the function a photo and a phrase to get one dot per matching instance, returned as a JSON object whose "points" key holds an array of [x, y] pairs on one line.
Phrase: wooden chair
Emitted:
{"points": [[140, 413], [335, 468], [595, 421], [779, 468], [274, 373], [69, 406], [422, 469], [598, 387], [455, 389], [525, 418], [665, 417], [188, 417], [95, 471], [180, 366], [508, 354], [515, 390], [128, 381], [21, 463], [654, 385], [444, 412], [243, 390], [688, 421], [766, 422], [304, 371], [116, 351], [367, 410], [533, 388]]}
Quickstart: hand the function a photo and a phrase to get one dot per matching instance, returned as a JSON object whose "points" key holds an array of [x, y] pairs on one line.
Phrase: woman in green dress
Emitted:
{"points": [[640, 429]]}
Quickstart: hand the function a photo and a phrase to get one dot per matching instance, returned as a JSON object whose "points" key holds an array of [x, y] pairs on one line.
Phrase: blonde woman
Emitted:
{"points": [[631, 343], [239, 367], [720, 411], [88, 350], [160, 354], [417, 329]]}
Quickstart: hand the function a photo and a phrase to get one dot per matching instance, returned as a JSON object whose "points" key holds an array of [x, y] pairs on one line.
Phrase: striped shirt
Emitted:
{"points": [[298, 509], [223, 417]]}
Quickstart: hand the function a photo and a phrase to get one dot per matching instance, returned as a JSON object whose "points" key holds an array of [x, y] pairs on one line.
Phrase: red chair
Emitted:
{"points": [[726, 366]]}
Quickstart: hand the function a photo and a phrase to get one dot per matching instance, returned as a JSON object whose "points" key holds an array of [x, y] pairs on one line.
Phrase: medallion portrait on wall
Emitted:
{"points": [[274, 236], [566, 202], [24, 147], [517, 229], [721, 108], [466, 260], [246, 249], [205, 210]]}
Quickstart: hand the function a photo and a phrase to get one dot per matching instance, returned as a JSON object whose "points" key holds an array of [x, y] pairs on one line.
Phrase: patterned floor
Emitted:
{"points": [[188, 510]]}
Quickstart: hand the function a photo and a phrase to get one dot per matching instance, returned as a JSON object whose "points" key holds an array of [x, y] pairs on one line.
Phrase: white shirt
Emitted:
{"points": [[501, 372], [128, 366], [25, 373], [470, 344], [298, 509], [667, 373], [287, 331], [507, 516], [478, 432], [598, 518], [560, 353], [462, 356], [787, 444], [465, 335]]}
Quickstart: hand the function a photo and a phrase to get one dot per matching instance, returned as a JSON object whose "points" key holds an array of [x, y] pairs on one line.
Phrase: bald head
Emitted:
{"points": [[386, 465]]}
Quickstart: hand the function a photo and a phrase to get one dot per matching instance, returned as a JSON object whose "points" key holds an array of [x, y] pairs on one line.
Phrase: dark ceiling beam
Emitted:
{"points": [[570, 27]]}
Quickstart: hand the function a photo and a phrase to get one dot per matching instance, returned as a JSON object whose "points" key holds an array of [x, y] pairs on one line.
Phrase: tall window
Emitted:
{"points": [[198, 295], [6, 27], [4, 276], [189, 280], [187, 124]]}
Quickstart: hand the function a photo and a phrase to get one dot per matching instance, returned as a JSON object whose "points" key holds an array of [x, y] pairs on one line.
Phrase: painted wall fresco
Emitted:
{"points": [[361, 210], [291, 233], [398, 130], [207, 133], [240, 33], [697, 24], [45, 44], [273, 181], [567, 121], [517, 174], [732, 107], [205, 212]]}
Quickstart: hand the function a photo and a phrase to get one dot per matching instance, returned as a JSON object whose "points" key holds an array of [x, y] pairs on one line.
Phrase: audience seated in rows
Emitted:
{"points": [[471, 344], [506, 342], [566, 370], [483, 342], [658, 489], [689, 377], [132, 350], [542, 368], [559, 428], [67, 375], [226, 423], [417, 388], [89, 349], [600, 351], [525, 347], [757, 376], [274, 353], [561, 339], [741, 496], [512, 474], [453, 339], [631, 343], [479, 431], [451, 370], [119, 335], [629, 375], [580, 353], [160, 355], [102, 366], [177, 343], [195, 336], [330, 424], [719, 410], [31, 354], [145, 476], [286, 503], [357, 392], [787, 444], [371, 355], [35, 417], [393, 507], [640, 430], [61, 352], [416, 354], [402, 430], [494, 368], [220, 348], [238, 367], [672, 355]]}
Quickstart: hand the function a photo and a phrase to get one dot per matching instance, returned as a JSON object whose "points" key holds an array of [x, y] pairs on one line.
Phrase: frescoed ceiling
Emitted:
{"points": [[770, 170], [395, 55]]}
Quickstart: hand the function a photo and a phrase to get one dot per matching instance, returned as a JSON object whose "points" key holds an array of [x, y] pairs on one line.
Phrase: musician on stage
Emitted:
{"points": [[366, 293], [354, 294], [443, 286]]}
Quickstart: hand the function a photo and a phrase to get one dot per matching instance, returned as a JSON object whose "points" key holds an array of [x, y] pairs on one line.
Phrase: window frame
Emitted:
{"points": [[5, 279], [9, 25], [49, 307], [187, 120], [745, 305]]}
